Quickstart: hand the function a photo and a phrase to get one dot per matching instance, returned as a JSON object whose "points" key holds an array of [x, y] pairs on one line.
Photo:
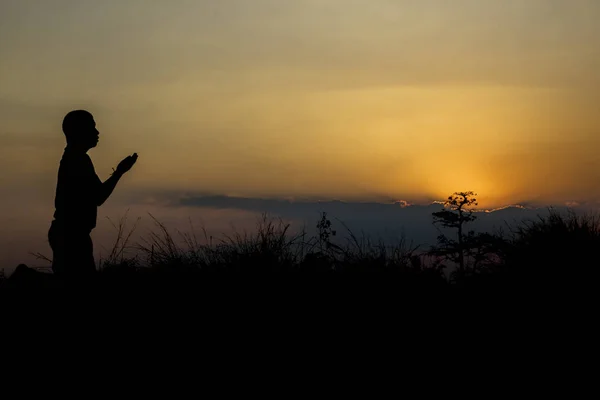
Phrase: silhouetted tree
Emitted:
{"points": [[325, 232], [457, 211]]}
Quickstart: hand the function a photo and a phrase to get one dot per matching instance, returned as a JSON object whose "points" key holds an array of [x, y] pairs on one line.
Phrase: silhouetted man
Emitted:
{"points": [[79, 192]]}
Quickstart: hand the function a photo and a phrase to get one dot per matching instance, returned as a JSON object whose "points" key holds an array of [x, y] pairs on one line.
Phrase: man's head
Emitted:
{"points": [[80, 129]]}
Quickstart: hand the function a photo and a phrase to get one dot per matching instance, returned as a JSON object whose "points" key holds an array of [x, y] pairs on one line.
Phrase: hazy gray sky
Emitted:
{"points": [[334, 98], [329, 97]]}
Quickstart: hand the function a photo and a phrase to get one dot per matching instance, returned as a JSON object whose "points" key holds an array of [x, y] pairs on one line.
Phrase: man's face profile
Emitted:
{"points": [[81, 130], [89, 131]]}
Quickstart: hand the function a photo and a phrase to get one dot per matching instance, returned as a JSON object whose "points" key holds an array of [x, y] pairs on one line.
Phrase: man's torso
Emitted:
{"points": [[77, 192]]}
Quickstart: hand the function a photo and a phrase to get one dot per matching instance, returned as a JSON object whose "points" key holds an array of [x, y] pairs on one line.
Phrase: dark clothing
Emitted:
{"points": [[73, 251], [77, 193]]}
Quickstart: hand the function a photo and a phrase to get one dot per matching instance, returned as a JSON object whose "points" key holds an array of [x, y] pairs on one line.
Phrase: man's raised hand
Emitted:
{"points": [[126, 164]]}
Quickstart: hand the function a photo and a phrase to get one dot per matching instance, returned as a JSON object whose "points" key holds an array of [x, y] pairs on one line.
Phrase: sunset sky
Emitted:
{"points": [[347, 99]]}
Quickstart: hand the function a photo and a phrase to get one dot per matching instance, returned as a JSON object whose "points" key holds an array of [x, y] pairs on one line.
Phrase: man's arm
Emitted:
{"points": [[107, 188]]}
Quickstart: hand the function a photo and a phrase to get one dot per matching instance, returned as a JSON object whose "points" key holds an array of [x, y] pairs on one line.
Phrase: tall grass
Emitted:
{"points": [[556, 247], [272, 248]]}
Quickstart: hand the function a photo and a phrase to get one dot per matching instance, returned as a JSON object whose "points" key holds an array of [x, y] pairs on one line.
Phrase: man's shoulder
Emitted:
{"points": [[80, 161]]}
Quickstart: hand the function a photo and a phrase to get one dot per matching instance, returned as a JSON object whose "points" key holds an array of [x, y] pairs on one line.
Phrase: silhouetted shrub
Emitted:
{"points": [[558, 249]]}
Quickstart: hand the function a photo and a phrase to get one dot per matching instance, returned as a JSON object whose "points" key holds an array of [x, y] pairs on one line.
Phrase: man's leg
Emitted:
{"points": [[88, 263], [73, 252], [56, 239], [79, 262]]}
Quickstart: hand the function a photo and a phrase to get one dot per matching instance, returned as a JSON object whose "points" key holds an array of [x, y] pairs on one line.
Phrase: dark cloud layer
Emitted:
{"points": [[388, 221]]}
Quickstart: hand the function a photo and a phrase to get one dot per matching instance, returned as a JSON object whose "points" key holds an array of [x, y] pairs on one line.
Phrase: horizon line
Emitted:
{"points": [[528, 205]]}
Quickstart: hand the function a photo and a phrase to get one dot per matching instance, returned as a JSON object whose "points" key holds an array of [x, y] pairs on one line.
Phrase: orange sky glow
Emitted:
{"points": [[345, 99]]}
